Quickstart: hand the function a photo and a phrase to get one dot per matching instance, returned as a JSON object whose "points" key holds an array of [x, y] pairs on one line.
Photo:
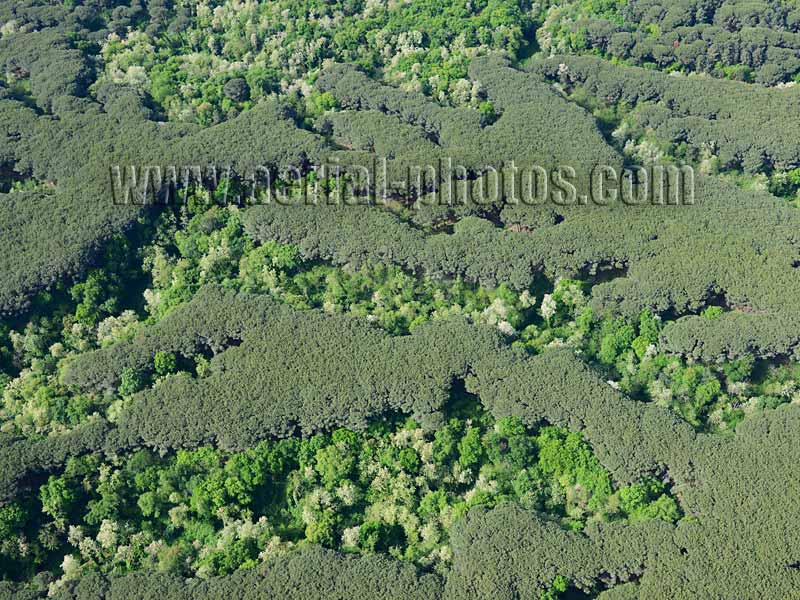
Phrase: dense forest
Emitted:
{"points": [[217, 388]]}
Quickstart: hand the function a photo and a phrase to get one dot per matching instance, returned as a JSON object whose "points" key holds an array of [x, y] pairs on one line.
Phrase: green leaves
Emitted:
{"points": [[379, 537], [58, 497], [165, 80], [557, 587], [615, 337], [131, 381], [164, 363], [334, 464], [470, 448], [567, 457], [395, 489], [648, 500]]}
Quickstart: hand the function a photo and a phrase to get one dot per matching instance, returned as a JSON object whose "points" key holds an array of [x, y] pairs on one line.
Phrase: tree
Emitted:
{"points": [[470, 448], [379, 537], [237, 89], [58, 497], [164, 363], [12, 518], [323, 529], [131, 381], [487, 111]]}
